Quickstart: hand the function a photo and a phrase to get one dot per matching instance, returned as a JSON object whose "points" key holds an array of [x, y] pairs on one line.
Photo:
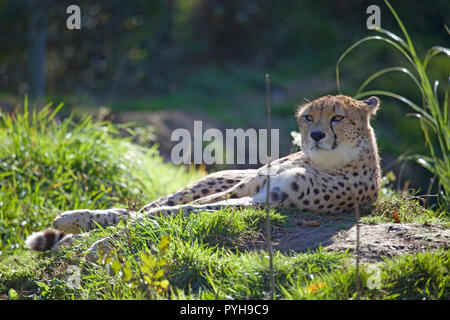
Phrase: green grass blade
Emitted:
{"points": [[446, 118], [393, 36], [418, 65], [427, 117], [53, 114], [402, 27], [434, 51], [387, 70], [369, 38]]}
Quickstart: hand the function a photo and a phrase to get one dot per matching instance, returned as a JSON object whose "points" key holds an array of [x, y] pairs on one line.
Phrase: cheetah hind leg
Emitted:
{"points": [[245, 188], [153, 213], [213, 183], [76, 221], [69, 225]]}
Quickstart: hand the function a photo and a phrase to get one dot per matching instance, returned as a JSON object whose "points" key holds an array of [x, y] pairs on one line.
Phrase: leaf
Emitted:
{"points": [[148, 280], [148, 259], [127, 273], [390, 175], [164, 244], [313, 223], [159, 274], [59, 184], [164, 284], [146, 269], [12, 294], [396, 217], [108, 258], [162, 262], [314, 287], [116, 266]]}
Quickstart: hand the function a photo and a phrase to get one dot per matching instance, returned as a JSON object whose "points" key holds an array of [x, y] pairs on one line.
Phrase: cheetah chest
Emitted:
{"points": [[309, 189]]}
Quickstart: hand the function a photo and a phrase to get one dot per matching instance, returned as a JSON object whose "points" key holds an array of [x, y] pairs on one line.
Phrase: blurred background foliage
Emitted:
{"points": [[208, 58]]}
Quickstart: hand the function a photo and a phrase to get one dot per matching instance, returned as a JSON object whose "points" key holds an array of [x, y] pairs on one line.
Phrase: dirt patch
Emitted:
{"points": [[377, 241], [391, 239]]}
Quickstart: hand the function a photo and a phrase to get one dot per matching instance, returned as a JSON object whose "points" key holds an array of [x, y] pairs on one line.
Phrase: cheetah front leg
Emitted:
{"points": [[186, 209], [71, 223], [213, 183], [246, 188]]}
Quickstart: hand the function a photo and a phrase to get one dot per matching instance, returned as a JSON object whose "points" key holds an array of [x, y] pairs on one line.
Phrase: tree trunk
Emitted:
{"points": [[37, 33]]}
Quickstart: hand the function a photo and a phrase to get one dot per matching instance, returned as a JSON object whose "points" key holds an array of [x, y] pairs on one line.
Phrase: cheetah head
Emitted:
{"points": [[335, 130]]}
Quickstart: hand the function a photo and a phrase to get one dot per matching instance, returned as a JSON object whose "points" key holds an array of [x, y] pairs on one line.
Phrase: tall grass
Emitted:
{"points": [[48, 165], [432, 114]]}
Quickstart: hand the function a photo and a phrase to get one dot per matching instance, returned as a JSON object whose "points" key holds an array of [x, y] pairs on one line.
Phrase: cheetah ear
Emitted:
{"points": [[372, 105]]}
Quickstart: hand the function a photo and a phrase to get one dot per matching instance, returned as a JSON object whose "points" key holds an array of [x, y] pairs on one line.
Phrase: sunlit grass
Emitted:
{"points": [[48, 165]]}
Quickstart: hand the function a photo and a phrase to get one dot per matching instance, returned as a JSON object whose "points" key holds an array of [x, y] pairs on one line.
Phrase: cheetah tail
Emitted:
{"points": [[48, 239]]}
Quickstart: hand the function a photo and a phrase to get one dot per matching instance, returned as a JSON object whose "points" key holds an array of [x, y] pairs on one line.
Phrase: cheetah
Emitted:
{"points": [[336, 169]]}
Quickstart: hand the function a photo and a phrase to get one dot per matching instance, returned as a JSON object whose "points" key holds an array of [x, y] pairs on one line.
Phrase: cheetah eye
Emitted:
{"points": [[308, 117], [337, 118]]}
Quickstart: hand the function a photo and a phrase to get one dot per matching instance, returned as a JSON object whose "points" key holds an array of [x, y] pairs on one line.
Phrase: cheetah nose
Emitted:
{"points": [[317, 135]]}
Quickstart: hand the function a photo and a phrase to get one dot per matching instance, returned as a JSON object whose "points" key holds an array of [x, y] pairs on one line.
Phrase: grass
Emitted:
{"points": [[196, 269], [404, 207], [419, 276], [49, 165]]}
